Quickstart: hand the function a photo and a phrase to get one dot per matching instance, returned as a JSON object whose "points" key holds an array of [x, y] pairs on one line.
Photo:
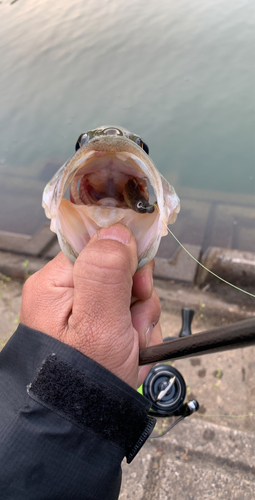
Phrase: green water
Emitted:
{"points": [[180, 74]]}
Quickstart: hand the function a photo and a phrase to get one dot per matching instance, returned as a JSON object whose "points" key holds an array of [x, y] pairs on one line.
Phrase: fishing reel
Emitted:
{"points": [[165, 386]]}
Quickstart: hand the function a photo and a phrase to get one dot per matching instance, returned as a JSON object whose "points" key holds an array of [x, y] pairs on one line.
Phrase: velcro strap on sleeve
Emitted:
{"points": [[117, 415]]}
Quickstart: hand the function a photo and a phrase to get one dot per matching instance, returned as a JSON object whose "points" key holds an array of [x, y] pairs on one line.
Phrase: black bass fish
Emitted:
{"points": [[108, 177]]}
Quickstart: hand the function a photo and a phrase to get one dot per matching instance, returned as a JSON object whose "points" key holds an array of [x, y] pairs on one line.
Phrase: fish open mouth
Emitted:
{"points": [[107, 181], [103, 180], [98, 198]]}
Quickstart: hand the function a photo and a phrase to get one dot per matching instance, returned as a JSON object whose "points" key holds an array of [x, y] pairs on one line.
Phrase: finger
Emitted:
{"points": [[156, 338], [145, 315], [100, 324], [143, 282]]}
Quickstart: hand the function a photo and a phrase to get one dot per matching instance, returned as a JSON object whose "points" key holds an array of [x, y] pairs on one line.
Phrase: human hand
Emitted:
{"points": [[99, 305]]}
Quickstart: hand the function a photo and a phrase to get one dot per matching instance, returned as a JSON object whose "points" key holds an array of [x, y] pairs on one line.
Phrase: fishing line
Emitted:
{"points": [[162, 433], [197, 261]]}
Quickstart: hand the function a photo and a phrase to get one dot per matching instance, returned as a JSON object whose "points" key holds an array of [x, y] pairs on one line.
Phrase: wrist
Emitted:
{"points": [[94, 399]]}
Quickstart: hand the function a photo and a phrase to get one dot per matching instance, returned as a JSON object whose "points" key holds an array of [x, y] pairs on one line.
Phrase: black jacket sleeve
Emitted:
{"points": [[65, 422]]}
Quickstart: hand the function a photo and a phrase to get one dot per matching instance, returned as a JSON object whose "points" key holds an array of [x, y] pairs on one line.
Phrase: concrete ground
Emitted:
{"points": [[196, 460], [211, 454]]}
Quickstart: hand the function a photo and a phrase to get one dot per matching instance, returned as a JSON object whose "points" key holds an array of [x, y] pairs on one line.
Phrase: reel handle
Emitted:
{"points": [[187, 317]]}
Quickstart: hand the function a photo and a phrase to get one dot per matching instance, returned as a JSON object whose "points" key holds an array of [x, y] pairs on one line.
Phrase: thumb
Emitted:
{"points": [[100, 324]]}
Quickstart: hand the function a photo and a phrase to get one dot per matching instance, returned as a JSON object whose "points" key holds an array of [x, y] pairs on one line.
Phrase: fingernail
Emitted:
{"points": [[153, 265], [149, 332], [117, 232]]}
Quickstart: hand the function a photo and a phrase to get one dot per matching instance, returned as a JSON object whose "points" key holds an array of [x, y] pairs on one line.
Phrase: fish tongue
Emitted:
{"points": [[108, 202]]}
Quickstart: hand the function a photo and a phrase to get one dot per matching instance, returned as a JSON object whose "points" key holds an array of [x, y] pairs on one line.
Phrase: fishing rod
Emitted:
{"points": [[232, 336]]}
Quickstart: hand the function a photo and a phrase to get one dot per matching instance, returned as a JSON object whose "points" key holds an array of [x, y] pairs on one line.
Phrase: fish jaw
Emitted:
{"points": [[107, 163]]}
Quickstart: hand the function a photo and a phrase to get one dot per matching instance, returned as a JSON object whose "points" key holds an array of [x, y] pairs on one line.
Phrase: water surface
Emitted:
{"points": [[180, 74]]}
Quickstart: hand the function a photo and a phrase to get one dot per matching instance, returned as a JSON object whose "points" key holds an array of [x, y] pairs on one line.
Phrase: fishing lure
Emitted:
{"points": [[135, 199]]}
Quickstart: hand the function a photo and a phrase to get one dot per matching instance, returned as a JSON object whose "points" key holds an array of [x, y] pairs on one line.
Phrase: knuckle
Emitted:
{"points": [[109, 264], [156, 301], [113, 255]]}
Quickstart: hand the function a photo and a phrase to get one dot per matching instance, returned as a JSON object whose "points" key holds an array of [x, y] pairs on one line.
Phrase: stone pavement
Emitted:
{"points": [[205, 456], [197, 460]]}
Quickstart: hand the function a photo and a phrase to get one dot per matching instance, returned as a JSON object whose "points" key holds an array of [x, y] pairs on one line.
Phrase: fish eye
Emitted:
{"points": [[142, 145], [145, 148], [82, 139], [139, 142]]}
